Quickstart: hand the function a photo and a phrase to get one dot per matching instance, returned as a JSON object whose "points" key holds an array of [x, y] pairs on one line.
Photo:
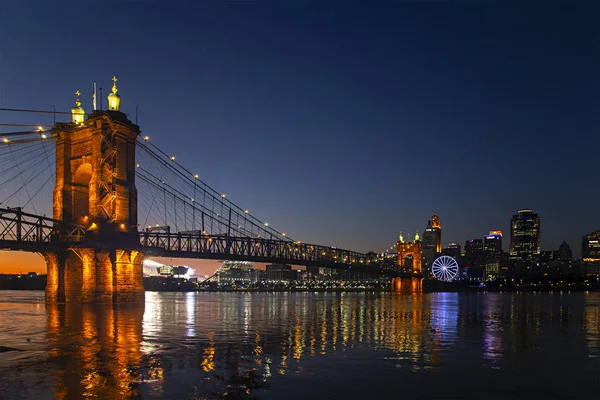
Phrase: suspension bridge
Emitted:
{"points": [[117, 199]]}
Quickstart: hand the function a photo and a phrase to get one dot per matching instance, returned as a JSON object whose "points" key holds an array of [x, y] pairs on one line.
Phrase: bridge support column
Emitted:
{"points": [[55, 283], [88, 275], [407, 285]]}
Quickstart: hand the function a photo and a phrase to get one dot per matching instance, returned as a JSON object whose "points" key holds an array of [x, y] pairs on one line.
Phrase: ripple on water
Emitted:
{"points": [[295, 345]]}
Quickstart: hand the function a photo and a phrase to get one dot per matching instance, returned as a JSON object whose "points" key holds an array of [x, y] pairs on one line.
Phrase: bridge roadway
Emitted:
{"points": [[33, 233]]}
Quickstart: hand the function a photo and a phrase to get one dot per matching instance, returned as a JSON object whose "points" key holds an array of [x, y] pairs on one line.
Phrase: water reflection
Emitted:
{"points": [[96, 350], [228, 345], [492, 332], [274, 333]]}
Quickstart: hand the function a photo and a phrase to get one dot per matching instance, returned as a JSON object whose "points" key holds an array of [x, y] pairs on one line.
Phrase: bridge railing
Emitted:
{"points": [[21, 227], [247, 248]]}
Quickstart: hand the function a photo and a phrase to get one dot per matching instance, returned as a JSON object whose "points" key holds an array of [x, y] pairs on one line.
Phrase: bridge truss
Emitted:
{"points": [[179, 215]]}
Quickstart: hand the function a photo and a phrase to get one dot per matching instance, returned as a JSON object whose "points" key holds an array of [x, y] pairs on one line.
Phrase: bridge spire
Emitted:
{"points": [[77, 112], [114, 100]]}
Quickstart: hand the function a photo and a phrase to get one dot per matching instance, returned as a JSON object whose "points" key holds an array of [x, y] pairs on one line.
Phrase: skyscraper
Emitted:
{"points": [[525, 237], [492, 248], [474, 257], [437, 228], [590, 252], [432, 241], [452, 250], [565, 254]]}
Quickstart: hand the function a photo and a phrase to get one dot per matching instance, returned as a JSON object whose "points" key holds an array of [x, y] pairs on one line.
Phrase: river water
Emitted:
{"points": [[303, 345]]}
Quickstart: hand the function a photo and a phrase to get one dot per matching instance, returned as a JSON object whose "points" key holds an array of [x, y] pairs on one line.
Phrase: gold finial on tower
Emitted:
{"points": [[114, 88], [114, 100], [417, 237], [400, 238], [77, 112]]}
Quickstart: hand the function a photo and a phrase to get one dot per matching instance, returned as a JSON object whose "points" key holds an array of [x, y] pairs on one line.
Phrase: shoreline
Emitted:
{"points": [[592, 289]]}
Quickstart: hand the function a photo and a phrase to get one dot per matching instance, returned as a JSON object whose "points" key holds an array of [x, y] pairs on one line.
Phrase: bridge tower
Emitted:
{"points": [[410, 279], [95, 187]]}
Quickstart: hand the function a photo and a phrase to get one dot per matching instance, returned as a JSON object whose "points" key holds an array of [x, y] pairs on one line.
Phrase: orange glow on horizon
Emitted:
{"points": [[15, 262]]}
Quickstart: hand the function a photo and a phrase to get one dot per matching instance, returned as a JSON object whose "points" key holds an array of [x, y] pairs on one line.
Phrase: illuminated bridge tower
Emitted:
{"points": [[410, 280], [95, 187]]}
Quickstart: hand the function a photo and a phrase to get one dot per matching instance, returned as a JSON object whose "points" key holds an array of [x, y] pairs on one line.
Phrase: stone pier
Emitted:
{"points": [[407, 285], [88, 275]]}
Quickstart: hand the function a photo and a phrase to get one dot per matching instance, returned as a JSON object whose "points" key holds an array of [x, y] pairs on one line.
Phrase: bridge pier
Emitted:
{"points": [[89, 275], [407, 285]]}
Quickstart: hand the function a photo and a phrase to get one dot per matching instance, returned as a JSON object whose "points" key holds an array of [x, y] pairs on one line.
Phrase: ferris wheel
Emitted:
{"points": [[445, 268]]}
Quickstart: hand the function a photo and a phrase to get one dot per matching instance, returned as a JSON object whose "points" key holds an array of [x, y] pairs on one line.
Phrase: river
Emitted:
{"points": [[303, 345]]}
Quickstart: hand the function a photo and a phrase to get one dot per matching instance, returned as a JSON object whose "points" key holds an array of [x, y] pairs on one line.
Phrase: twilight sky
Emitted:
{"points": [[343, 123]]}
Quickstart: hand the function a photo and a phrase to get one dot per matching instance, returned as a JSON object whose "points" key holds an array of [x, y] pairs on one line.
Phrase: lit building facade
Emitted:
{"points": [[432, 242], [492, 249], [237, 271], [453, 250], [525, 237], [280, 272], [177, 271], [556, 262], [590, 253], [437, 227]]}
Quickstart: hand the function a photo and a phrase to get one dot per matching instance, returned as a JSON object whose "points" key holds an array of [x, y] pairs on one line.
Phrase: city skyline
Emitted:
{"points": [[323, 143]]}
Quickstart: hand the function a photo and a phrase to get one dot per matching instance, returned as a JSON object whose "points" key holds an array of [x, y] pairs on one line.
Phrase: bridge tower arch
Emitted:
{"points": [[412, 249], [410, 279], [95, 187]]}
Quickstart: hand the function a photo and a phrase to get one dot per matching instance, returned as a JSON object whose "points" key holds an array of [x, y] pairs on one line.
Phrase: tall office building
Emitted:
{"points": [[432, 241], [525, 237], [474, 257], [492, 249], [590, 253], [437, 227], [453, 250], [564, 253]]}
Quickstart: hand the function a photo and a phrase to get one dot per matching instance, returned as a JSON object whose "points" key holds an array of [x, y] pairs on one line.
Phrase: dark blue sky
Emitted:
{"points": [[343, 123]]}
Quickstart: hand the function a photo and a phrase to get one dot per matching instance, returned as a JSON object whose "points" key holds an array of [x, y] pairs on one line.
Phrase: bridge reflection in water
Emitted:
{"points": [[97, 348], [203, 345], [219, 340]]}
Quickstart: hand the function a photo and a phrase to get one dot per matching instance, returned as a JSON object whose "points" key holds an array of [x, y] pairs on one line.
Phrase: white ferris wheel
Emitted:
{"points": [[445, 268]]}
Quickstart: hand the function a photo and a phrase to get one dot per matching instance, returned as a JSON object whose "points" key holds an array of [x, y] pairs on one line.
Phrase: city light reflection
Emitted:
{"points": [[223, 339]]}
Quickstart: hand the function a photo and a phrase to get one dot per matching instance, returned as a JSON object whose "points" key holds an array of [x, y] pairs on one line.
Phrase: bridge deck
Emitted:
{"points": [[34, 233]]}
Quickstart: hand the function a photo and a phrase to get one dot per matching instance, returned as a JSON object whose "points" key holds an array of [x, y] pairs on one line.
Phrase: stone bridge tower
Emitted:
{"points": [[95, 187], [411, 278]]}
